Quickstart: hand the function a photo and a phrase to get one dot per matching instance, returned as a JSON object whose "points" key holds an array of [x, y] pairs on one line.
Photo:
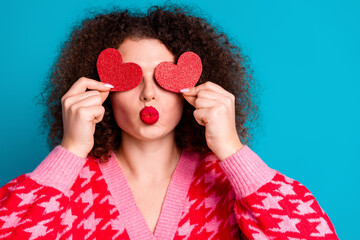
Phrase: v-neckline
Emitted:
{"points": [[172, 206]]}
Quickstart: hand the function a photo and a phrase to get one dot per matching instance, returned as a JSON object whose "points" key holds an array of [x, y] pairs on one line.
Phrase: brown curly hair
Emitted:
{"points": [[180, 31]]}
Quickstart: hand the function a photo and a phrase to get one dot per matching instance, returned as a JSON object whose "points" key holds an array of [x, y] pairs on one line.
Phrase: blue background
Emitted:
{"points": [[305, 55]]}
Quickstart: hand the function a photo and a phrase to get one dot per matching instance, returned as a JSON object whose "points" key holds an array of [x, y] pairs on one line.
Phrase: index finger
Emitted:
{"points": [[191, 94], [205, 86], [84, 83]]}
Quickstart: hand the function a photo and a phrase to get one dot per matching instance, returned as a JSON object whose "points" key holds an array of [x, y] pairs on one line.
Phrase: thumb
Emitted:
{"points": [[104, 95], [190, 95], [190, 99]]}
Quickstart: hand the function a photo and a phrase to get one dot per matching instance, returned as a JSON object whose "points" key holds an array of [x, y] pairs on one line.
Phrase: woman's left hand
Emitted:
{"points": [[215, 109]]}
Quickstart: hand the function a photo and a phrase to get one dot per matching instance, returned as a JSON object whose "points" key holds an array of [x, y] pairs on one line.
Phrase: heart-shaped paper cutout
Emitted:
{"points": [[112, 70], [183, 75]]}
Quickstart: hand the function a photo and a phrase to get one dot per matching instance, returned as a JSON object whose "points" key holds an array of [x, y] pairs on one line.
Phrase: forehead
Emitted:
{"points": [[148, 49]]}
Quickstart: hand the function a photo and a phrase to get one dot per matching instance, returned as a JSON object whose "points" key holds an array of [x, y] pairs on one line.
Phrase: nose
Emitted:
{"points": [[148, 91]]}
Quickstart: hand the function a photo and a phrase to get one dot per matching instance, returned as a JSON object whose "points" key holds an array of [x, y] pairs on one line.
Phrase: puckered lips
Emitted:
{"points": [[149, 115]]}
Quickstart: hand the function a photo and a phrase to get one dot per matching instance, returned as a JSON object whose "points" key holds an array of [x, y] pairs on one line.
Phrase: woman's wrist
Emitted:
{"points": [[228, 150], [75, 150]]}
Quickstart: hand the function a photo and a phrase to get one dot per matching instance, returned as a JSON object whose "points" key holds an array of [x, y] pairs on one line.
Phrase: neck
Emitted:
{"points": [[148, 161]]}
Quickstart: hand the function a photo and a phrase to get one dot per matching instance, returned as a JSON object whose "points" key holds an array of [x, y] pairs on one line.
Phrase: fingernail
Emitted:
{"points": [[184, 90], [108, 85]]}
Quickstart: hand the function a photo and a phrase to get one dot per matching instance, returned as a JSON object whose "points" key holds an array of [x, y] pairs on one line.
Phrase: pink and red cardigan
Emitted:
{"points": [[67, 197]]}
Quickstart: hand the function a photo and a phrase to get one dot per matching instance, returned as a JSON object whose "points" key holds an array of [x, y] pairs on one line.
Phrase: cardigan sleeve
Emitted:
{"points": [[33, 204], [270, 205]]}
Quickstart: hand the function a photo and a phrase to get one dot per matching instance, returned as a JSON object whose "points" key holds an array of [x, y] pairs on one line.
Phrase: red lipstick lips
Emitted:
{"points": [[149, 115]]}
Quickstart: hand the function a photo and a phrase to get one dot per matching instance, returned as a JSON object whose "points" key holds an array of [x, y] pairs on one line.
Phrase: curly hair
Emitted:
{"points": [[180, 31]]}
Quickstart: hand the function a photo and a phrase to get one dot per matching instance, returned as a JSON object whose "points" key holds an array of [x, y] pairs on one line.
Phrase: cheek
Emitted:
{"points": [[120, 111], [174, 109]]}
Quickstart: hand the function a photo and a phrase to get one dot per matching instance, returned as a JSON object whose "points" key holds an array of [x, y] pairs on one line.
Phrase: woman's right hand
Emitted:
{"points": [[81, 110]]}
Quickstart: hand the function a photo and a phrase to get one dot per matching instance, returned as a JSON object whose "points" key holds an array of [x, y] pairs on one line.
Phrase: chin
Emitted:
{"points": [[153, 134]]}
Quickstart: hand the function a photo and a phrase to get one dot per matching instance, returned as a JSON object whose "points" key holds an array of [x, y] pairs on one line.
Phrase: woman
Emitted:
{"points": [[187, 175]]}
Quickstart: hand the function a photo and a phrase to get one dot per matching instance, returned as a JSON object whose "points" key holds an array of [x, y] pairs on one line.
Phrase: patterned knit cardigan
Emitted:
{"points": [[67, 197]]}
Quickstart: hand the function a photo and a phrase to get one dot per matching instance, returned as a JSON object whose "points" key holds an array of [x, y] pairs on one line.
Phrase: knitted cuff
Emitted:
{"points": [[59, 169], [246, 172]]}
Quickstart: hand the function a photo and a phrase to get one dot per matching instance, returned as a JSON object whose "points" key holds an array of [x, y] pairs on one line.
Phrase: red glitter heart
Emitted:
{"points": [[183, 75], [111, 69]]}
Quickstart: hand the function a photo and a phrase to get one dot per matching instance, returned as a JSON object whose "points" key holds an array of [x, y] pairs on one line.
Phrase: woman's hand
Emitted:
{"points": [[81, 110], [215, 109]]}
